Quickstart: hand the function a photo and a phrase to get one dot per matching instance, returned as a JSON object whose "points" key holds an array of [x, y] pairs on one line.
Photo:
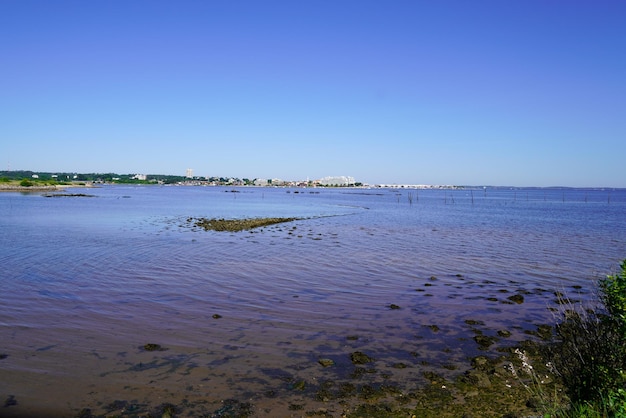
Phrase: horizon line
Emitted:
{"points": [[379, 184]]}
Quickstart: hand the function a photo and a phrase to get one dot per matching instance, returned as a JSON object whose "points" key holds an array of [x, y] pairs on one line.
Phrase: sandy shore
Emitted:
{"points": [[10, 187]]}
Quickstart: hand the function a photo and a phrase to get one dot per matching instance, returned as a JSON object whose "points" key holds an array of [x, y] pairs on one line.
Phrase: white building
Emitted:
{"points": [[337, 181]]}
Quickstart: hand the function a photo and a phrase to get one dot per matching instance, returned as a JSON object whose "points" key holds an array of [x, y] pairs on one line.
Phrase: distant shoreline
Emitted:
{"points": [[39, 188]]}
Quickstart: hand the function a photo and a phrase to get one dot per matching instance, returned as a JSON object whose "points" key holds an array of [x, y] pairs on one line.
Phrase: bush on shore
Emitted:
{"points": [[588, 352]]}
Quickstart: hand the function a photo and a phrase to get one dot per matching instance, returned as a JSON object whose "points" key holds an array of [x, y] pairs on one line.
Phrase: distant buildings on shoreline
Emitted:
{"points": [[329, 181], [190, 180]]}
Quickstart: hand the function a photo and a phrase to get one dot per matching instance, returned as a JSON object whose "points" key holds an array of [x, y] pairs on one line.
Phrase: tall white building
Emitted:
{"points": [[189, 174]]}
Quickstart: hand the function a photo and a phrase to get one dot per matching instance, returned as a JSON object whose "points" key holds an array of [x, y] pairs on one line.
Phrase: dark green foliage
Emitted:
{"points": [[589, 355], [613, 296], [51, 178], [589, 349], [26, 183]]}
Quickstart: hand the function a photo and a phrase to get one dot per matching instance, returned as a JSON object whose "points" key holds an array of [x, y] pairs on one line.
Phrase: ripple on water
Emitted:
{"points": [[254, 311]]}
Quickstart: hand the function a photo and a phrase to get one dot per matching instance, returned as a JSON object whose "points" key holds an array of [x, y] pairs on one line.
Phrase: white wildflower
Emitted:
{"points": [[509, 366], [526, 366]]}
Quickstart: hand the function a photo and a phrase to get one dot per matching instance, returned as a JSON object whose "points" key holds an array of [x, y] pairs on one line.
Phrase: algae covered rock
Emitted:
{"points": [[326, 362], [360, 358], [153, 347], [519, 299], [484, 341], [236, 225]]}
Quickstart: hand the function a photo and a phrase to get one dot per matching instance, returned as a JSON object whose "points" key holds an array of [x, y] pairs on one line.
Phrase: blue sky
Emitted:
{"points": [[519, 92]]}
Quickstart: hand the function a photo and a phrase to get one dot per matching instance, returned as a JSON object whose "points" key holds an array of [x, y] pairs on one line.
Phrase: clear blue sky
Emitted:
{"points": [[515, 92]]}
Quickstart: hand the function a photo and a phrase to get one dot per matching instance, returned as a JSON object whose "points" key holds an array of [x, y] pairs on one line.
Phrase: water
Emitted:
{"points": [[88, 281]]}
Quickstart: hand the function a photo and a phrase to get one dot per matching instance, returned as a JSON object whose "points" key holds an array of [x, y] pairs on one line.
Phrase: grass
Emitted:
{"points": [[27, 183]]}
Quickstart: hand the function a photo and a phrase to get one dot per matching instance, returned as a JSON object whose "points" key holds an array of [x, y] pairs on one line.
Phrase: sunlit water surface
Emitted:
{"points": [[88, 281]]}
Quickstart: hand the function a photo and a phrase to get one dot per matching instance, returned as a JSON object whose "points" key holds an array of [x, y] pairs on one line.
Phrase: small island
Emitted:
{"points": [[236, 225]]}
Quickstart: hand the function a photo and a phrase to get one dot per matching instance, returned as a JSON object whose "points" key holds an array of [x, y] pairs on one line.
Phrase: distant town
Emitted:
{"points": [[31, 178]]}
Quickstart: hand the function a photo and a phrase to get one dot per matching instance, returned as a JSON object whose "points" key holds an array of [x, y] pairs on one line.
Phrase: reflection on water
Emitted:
{"points": [[407, 277]]}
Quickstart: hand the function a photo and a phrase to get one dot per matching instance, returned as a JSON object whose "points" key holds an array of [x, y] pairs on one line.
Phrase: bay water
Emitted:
{"points": [[87, 281]]}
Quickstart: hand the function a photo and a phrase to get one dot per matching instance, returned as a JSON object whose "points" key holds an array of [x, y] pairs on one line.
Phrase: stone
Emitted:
{"points": [[360, 358]]}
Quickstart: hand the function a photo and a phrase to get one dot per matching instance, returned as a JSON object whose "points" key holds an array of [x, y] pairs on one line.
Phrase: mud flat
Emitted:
{"points": [[235, 225]]}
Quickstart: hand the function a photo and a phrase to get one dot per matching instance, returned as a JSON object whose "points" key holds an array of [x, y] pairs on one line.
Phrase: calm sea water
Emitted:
{"points": [[88, 281]]}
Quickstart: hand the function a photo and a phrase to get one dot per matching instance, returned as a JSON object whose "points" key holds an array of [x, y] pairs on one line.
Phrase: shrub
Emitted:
{"points": [[26, 183], [613, 295], [589, 349]]}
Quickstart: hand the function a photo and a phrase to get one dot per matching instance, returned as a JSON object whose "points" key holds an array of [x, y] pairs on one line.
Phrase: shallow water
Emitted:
{"points": [[88, 281]]}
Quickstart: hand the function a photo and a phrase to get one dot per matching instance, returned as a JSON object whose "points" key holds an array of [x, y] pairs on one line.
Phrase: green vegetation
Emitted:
{"points": [[589, 353], [29, 182], [10, 176], [613, 295], [43, 178], [68, 177]]}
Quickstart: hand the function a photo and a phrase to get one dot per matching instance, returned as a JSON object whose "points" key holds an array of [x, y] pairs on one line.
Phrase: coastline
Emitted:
{"points": [[40, 188]]}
